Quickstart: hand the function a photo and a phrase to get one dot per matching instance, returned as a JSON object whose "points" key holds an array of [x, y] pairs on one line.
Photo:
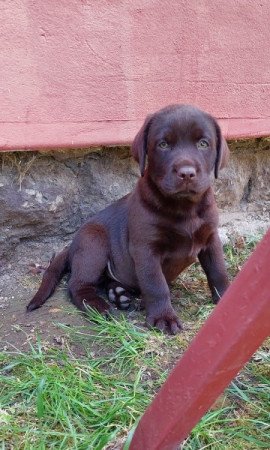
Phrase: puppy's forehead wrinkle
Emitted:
{"points": [[181, 122]]}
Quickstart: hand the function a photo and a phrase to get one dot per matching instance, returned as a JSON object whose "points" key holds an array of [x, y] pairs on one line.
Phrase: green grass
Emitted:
{"points": [[51, 398]]}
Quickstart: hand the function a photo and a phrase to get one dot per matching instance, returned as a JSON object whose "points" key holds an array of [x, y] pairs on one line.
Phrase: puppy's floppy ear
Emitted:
{"points": [[139, 144], [222, 151]]}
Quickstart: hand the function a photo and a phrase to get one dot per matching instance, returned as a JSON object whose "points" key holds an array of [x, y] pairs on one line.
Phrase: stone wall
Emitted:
{"points": [[245, 183], [46, 195]]}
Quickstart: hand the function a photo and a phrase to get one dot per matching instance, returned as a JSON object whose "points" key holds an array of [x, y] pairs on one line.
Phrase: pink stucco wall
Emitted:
{"points": [[79, 73]]}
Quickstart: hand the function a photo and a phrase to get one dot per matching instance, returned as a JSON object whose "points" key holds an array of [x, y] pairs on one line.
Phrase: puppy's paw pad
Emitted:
{"points": [[119, 296], [112, 296], [119, 290], [124, 302]]}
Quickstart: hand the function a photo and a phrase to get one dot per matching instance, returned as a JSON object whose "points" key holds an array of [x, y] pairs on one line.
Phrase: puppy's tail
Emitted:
{"points": [[52, 275]]}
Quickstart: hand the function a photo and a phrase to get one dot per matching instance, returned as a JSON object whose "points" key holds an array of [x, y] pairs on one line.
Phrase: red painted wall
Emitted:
{"points": [[87, 72]]}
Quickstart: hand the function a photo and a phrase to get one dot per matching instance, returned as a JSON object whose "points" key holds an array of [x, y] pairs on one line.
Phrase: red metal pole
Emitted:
{"points": [[236, 328]]}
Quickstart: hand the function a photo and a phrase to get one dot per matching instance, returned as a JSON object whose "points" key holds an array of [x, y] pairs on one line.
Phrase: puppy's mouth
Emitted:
{"points": [[189, 194], [179, 193], [186, 193], [183, 190]]}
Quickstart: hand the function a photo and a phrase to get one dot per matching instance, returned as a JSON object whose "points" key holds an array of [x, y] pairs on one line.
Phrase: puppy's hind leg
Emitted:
{"points": [[89, 256]]}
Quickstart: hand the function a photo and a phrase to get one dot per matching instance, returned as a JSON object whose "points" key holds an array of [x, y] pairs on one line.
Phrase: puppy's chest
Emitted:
{"points": [[182, 240]]}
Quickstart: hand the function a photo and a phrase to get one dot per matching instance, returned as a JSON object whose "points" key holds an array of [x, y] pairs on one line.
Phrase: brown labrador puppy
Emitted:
{"points": [[146, 239]]}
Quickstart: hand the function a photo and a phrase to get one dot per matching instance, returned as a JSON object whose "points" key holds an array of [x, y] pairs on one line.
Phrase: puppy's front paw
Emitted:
{"points": [[166, 320]]}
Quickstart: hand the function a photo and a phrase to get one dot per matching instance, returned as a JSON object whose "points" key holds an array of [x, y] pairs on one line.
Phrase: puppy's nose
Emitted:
{"points": [[186, 172]]}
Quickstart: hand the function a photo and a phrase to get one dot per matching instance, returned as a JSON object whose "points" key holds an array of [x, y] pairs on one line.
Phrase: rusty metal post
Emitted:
{"points": [[236, 328]]}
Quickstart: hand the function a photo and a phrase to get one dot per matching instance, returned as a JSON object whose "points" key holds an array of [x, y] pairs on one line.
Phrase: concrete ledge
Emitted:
{"points": [[33, 136]]}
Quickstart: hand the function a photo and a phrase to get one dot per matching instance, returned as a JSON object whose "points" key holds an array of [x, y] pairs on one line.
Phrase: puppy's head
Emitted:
{"points": [[183, 146]]}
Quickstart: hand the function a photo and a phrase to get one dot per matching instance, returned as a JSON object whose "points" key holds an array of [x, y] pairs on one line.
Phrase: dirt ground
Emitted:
{"points": [[19, 281], [18, 328]]}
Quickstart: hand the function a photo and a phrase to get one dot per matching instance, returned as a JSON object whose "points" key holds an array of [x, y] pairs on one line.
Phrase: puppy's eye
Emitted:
{"points": [[202, 144], [163, 145]]}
